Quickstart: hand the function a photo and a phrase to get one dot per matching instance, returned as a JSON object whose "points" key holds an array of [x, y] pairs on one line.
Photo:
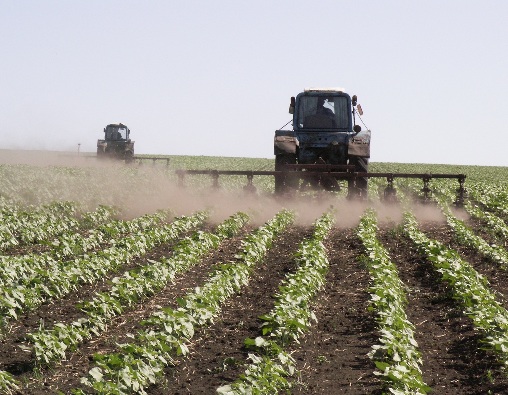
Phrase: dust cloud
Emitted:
{"points": [[135, 189], [143, 189], [47, 158]]}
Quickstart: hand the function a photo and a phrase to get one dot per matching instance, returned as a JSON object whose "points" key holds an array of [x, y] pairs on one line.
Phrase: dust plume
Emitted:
{"points": [[39, 177], [47, 158]]}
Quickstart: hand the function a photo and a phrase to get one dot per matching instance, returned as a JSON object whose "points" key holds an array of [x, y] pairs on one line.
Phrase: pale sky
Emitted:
{"points": [[215, 77]]}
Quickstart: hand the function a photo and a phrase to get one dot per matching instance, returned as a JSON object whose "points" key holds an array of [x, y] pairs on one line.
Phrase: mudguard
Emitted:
{"points": [[285, 145], [359, 145]]}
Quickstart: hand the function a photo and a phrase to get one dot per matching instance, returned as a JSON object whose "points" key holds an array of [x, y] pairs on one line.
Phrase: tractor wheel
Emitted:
{"points": [[101, 152], [361, 187], [129, 157], [284, 182]]}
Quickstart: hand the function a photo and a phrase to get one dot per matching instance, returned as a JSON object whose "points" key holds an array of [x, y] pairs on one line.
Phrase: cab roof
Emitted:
{"points": [[333, 90]]}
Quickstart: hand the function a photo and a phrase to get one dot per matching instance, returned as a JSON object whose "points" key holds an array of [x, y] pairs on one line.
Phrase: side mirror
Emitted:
{"points": [[359, 108], [292, 105], [354, 99], [357, 129]]}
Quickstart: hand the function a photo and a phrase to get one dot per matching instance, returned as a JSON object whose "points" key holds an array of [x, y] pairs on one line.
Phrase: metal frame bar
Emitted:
{"points": [[153, 158], [311, 170]]}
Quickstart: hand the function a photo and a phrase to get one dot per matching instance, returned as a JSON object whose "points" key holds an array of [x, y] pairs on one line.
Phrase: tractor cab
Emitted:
{"points": [[322, 110], [116, 143], [115, 132], [324, 129]]}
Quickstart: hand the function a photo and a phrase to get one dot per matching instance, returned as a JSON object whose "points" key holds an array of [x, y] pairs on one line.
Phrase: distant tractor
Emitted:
{"points": [[116, 143]]}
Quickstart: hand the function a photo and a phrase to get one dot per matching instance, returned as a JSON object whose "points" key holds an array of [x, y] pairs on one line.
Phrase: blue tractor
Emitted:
{"points": [[324, 148], [325, 144]]}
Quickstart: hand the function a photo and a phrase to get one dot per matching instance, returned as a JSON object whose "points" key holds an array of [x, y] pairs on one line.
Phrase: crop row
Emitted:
{"points": [[287, 321], [139, 363], [21, 268], [397, 356], [31, 225], [50, 345], [466, 236], [64, 277], [493, 197], [470, 289], [494, 225]]}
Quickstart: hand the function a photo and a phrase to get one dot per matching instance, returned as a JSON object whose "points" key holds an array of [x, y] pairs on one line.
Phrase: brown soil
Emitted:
{"points": [[331, 358]]}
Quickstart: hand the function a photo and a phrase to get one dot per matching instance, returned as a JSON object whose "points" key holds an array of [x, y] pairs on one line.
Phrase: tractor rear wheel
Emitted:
{"points": [[129, 157], [360, 188], [284, 182]]}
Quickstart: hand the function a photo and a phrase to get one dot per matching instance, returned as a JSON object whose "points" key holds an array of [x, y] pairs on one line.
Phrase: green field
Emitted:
{"points": [[117, 279]]}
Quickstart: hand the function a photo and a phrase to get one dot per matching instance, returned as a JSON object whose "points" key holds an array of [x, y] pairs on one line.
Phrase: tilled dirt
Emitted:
{"points": [[331, 357]]}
